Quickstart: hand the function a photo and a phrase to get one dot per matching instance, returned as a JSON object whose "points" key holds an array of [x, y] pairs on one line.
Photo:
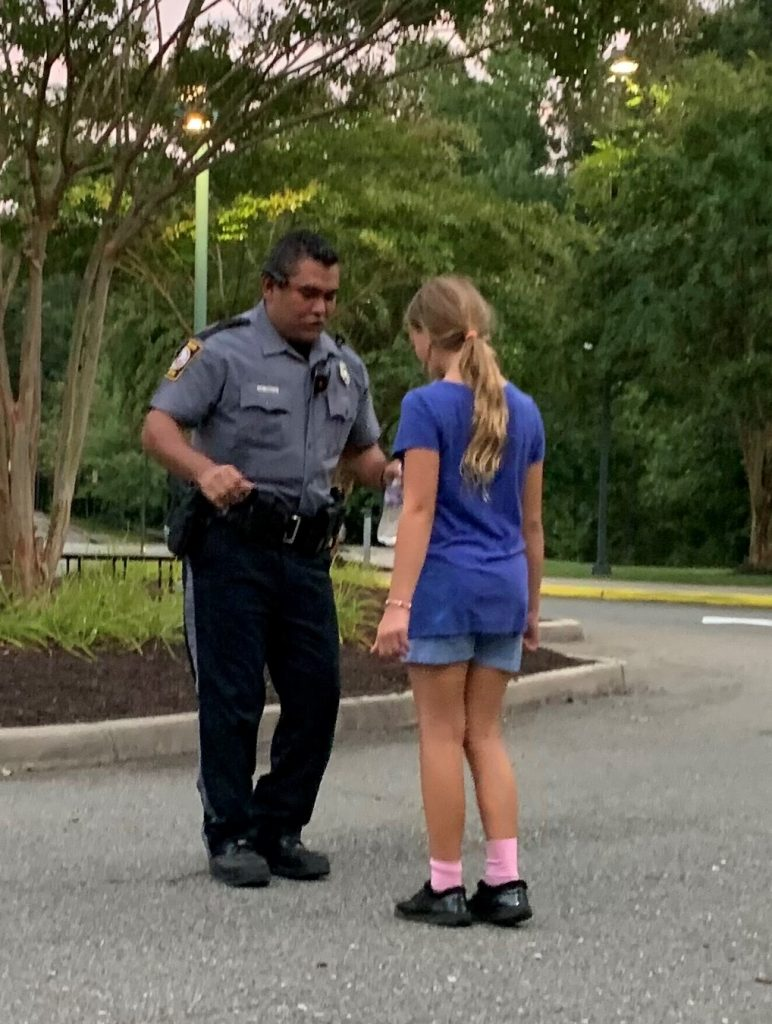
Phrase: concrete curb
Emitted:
{"points": [[707, 597], [560, 631], [596, 678], [85, 745]]}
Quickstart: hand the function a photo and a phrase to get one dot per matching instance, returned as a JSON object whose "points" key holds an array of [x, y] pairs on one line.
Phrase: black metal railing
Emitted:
{"points": [[165, 565]]}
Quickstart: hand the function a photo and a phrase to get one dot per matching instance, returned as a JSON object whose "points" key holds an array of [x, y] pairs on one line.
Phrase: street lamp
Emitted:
{"points": [[621, 66], [195, 122]]}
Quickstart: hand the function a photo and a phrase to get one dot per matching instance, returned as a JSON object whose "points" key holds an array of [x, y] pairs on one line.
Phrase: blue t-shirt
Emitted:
{"points": [[475, 577]]}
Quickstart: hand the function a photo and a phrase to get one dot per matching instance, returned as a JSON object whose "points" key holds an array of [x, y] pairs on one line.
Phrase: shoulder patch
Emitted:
{"points": [[189, 350]]}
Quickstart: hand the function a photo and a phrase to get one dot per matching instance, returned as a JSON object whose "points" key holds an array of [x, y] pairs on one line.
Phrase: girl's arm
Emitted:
{"points": [[419, 484], [533, 535]]}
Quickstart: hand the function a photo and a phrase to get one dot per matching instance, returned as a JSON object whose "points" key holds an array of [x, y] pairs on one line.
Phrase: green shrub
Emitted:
{"points": [[99, 608], [96, 609]]}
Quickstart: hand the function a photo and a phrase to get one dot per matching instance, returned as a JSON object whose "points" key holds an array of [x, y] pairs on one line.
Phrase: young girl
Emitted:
{"points": [[464, 595]]}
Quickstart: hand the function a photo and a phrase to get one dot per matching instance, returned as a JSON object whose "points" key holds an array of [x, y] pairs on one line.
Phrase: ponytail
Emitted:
{"points": [[479, 369]]}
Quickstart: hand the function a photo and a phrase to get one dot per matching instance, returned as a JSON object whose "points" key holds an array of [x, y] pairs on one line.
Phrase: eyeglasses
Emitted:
{"points": [[311, 294]]}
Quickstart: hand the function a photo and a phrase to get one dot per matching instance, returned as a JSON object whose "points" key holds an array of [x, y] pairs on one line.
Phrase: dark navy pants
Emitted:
{"points": [[247, 608]]}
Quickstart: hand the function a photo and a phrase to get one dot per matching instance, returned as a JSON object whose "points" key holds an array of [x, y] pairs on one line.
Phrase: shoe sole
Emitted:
{"points": [[442, 920], [237, 879], [504, 919], [299, 876]]}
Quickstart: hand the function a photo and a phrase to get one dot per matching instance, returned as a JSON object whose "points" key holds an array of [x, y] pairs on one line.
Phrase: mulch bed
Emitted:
{"points": [[43, 687], [51, 686]]}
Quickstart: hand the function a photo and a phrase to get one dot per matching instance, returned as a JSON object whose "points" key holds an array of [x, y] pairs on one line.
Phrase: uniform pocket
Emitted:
{"points": [[265, 416], [340, 409], [339, 404]]}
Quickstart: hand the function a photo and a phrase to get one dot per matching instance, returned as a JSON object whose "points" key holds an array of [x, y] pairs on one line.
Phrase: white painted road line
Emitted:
{"points": [[728, 620]]}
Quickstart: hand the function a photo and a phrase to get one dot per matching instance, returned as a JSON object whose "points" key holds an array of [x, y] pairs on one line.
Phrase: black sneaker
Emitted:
{"points": [[288, 857], [448, 909], [236, 863], [505, 905]]}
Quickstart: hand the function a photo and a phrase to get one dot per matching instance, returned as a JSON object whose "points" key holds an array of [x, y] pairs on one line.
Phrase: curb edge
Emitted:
{"points": [[119, 741]]}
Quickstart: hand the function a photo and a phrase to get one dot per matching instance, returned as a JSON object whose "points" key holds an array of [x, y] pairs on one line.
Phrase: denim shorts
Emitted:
{"points": [[492, 650]]}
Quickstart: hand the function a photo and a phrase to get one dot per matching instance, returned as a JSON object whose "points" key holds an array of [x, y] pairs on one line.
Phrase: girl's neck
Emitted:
{"points": [[450, 372]]}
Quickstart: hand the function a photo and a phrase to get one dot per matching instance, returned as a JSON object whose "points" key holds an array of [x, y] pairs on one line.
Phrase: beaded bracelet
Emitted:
{"points": [[398, 604]]}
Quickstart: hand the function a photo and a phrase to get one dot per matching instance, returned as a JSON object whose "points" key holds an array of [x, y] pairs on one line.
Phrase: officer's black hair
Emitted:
{"points": [[294, 247]]}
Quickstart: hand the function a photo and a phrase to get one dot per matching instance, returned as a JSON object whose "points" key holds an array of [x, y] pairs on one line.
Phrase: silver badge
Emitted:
{"points": [[345, 376]]}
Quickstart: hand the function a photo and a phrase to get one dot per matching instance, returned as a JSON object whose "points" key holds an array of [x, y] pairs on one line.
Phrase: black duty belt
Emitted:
{"points": [[266, 525]]}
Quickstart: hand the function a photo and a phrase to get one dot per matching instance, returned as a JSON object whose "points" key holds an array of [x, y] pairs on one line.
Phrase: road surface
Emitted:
{"points": [[645, 839]]}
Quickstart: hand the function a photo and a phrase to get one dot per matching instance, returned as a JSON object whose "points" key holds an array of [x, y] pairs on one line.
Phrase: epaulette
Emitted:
{"points": [[339, 340], [222, 325]]}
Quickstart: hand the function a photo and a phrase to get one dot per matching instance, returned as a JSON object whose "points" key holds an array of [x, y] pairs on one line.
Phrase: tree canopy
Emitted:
{"points": [[619, 229]]}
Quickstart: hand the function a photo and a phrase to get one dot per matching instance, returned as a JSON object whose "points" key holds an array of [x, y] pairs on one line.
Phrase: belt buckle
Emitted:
{"points": [[291, 530]]}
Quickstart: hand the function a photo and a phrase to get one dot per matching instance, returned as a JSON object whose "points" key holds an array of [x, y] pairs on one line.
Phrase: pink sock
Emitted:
{"points": [[501, 861], [445, 874]]}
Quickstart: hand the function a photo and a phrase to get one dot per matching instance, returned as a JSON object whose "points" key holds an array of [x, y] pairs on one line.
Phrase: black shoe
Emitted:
{"points": [[505, 905], [448, 908], [288, 857], [236, 863]]}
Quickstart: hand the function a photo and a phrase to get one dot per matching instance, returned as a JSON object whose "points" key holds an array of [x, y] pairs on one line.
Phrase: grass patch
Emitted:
{"points": [[354, 572], [358, 592], [358, 612], [360, 576], [661, 574], [98, 608]]}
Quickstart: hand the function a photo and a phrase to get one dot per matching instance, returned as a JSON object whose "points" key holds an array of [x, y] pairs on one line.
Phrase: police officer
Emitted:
{"points": [[274, 404]]}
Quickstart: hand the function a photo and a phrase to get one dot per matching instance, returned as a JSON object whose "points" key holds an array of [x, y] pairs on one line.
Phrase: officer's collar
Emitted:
{"points": [[272, 343]]}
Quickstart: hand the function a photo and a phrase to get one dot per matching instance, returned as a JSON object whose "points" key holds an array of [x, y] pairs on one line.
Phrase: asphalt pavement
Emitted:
{"points": [[645, 839]]}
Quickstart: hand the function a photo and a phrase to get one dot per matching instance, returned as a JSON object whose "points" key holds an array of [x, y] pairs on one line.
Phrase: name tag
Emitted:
{"points": [[266, 389]]}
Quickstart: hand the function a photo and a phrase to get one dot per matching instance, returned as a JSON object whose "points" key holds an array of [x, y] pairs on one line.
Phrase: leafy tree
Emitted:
{"points": [[501, 103], [685, 259], [393, 195], [572, 35], [447, 177], [735, 31], [92, 135]]}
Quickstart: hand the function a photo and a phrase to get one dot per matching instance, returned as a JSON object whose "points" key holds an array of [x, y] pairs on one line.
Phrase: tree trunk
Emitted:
{"points": [[8, 275], [88, 329], [757, 458], [21, 565]]}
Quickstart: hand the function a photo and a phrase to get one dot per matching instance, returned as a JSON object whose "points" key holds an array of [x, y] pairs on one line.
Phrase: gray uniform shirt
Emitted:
{"points": [[255, 403]]}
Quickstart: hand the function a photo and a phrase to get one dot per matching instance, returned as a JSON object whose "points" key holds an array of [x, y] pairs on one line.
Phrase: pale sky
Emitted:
{"points": [[173, 10]]}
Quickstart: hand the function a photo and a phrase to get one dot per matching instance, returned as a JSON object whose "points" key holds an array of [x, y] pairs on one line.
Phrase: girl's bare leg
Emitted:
{"points": [[439, 696], [492, 771]]}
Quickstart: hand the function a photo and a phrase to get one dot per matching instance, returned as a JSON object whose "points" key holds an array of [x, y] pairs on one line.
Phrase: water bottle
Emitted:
{"points": [[392, 507]]}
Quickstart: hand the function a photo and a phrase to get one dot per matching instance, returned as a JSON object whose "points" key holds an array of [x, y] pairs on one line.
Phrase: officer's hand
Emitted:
{"points": [[392, 471], [391, 640], [224, 485]]}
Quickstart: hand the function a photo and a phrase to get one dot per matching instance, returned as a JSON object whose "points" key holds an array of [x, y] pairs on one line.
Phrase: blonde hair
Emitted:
{"points": [[457, 318]]}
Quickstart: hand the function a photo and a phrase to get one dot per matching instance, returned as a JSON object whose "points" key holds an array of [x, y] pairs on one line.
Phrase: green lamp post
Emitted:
{"points": [[621, 67], [194, 123]]}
